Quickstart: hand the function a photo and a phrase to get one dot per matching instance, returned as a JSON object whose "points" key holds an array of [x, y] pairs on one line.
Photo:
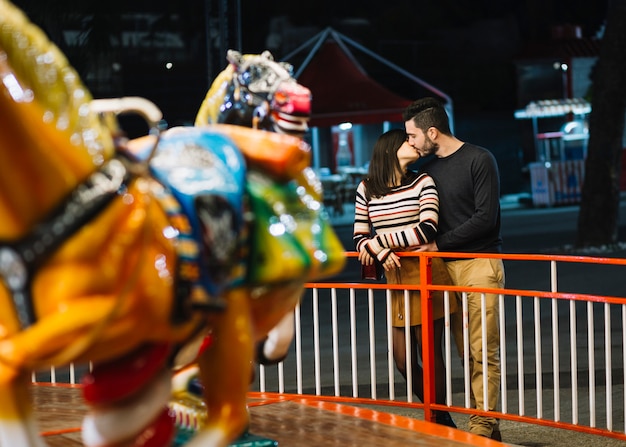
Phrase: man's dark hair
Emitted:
{"points": [[428, 112]]}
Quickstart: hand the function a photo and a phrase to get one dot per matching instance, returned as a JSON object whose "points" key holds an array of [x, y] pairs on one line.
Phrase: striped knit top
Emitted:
{"points": [[406, 217]]}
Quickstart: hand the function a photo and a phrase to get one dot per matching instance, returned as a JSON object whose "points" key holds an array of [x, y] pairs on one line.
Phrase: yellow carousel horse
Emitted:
{"points": [[126, 253]]}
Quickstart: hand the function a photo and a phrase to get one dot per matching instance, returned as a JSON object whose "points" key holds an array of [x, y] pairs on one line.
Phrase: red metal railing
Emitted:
{"points": [[538, 342], [562, 333]]}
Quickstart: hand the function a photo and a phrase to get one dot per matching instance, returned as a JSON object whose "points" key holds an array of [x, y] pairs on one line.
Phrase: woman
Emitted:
{"points": [[397, 208]]}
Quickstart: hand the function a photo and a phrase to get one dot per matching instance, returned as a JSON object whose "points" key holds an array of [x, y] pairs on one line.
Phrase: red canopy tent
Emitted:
{"points": [[342, 90], [344, 93]]}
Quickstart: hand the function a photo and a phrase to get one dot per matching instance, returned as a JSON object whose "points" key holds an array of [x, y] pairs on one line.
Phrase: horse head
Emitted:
{"points": [[256, 91]]}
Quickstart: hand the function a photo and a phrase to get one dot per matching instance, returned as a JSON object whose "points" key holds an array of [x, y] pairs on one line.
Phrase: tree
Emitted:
{"points": [[599, 208]]}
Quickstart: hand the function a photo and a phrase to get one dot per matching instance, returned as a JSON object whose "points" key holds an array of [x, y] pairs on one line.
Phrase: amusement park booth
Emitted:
{"points": [[558, 171]]}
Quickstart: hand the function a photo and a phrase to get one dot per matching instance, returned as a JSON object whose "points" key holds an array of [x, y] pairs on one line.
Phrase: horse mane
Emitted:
{"points": [[50, 140], [42, 68], [209, 109]]}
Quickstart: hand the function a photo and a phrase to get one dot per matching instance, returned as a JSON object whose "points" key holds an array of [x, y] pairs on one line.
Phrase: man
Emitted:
{"points": [[468, 182]]}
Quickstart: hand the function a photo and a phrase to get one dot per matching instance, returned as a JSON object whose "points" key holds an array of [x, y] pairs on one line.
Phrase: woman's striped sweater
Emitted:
{"points": [[406, 217]]}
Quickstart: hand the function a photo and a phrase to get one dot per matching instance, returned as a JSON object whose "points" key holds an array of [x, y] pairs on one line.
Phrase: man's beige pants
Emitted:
{"points": [[484, 273]]}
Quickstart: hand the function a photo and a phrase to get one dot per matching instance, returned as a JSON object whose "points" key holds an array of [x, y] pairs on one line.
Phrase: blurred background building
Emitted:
{"points": [[487, 58]]}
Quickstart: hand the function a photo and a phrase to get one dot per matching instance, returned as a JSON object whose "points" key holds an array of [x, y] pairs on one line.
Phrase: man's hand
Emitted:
{"points": [[431, 246]]}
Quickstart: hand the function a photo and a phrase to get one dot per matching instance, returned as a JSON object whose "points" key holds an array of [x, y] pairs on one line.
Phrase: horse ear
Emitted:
{"points": [[267, 55], [287, 66], [234, 57]]}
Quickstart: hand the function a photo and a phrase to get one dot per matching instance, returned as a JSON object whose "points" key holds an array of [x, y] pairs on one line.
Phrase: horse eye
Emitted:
{"points": [[281, 97], [245, 78], [256, 73]]}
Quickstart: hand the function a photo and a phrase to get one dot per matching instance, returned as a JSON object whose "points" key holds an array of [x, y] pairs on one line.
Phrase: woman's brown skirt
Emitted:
{"points": [[409, 273]]}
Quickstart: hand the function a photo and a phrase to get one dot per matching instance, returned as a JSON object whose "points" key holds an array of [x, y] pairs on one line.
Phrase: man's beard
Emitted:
{"points": [[430, 147]]}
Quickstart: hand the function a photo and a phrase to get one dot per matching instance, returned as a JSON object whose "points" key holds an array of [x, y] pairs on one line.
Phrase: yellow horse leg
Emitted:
{"points": [[18, 427], [225, 371]]}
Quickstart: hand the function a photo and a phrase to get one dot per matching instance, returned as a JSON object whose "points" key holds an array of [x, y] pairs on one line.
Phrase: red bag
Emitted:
{"points": [[374, 271]]}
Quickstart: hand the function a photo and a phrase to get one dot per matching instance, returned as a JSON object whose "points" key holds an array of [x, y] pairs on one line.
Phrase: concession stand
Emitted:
{"points": [[557, 173]]}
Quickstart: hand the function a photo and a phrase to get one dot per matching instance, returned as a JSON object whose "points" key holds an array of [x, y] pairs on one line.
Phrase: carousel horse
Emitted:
{"points": [[126, 253], [254, 91]]}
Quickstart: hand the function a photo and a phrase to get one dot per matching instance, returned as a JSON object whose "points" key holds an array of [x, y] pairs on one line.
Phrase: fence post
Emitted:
{"points": [[428, 363]]}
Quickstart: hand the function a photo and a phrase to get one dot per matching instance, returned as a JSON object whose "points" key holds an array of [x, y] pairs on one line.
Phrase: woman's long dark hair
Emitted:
{"points": [[384, 164]]}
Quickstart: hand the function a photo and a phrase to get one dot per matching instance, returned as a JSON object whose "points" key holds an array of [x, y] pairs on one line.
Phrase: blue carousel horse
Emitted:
{"points": [[255, 91]]}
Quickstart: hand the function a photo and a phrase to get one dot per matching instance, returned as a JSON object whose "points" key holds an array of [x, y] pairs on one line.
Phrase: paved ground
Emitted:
{"points": [[526, 435]]}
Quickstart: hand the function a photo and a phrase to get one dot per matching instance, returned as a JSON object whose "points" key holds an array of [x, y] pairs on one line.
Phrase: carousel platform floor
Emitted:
{"points": [[294, 421]]}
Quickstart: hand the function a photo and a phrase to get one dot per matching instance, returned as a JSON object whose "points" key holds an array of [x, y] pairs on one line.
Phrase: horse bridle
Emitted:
{"points": [[20, 260], [259, 89]]}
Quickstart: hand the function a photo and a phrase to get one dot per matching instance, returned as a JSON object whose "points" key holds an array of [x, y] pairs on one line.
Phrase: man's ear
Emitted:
{"points": [[432, 133]]}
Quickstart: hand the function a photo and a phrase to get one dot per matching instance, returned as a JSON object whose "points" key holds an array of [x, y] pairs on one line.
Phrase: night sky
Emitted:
{"points": [[466, 47], [405, 19], [483, 36]]}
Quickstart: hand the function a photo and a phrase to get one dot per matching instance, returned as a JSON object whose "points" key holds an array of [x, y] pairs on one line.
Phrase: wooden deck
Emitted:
{"points": [[60, 410], [292, 422]]}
